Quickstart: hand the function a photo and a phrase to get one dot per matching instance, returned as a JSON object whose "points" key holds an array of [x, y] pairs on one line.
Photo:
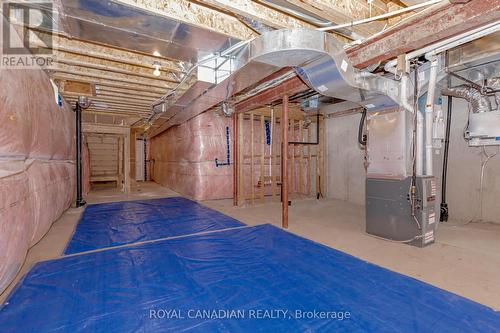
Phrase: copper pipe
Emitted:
{"points": [[235, 159], [284, 164]]}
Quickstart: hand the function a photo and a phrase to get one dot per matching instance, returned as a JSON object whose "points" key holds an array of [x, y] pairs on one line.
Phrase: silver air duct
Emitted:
{"points": [[318, 58], [479, 102]]}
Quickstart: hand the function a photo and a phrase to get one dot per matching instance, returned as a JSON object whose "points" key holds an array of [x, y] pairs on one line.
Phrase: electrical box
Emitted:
{"points": [[438, 127], [389, 211], [484, 129]]}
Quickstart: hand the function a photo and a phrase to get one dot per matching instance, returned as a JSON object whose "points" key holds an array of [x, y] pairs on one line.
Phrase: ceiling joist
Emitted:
{"points": [[195, 14], [258, 12], [104, 75], [341, 11], [117, 68]]}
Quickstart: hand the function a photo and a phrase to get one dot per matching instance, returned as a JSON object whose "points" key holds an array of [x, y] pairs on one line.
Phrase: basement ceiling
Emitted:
{"points": [[109, 48]]}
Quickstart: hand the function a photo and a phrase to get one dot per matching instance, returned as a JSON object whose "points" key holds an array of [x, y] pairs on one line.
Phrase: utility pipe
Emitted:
{"points": [[446, 44], [284, 164], [429, 109], [381, 17], [444, 212], [79, 197], [470, 36]]}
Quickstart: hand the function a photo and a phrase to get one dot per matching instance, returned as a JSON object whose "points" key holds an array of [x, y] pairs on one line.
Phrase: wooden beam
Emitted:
{"points": [[301, 158], [65, 47], [235, 159], [262, 157], [128, 92], [105, 129], [290, 87], [240, 160], [131, 101], [430, 26], [127, 70], [292, 166], [135, 85], [103, 74], [119, 96], [273, 157], [252, 147], [284, 164]]}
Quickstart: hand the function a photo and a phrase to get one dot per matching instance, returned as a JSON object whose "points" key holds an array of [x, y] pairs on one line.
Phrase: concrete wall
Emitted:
{"points": [[464, 171], [346, 173]]}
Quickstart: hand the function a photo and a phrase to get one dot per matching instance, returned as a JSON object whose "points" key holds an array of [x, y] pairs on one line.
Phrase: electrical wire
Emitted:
{"points": [[396, 241], [481, 182], [483, 167]]}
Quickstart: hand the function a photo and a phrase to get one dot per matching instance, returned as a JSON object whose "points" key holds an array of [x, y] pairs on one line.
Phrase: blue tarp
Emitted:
{"points": [[127, 222], [238, 273]]}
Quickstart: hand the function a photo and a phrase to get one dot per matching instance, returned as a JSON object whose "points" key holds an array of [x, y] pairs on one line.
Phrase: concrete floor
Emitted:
{"points": [[465, 260]]}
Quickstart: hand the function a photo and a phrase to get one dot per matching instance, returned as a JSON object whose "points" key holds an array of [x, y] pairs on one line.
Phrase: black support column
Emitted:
{"points": [[79, 197]]}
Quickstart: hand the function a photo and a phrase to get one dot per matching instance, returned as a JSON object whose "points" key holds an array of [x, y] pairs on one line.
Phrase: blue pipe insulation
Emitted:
{"points": [[228, 162]]}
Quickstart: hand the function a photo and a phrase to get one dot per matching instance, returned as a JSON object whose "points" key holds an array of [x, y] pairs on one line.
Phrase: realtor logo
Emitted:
{"points": [[27, 33]]}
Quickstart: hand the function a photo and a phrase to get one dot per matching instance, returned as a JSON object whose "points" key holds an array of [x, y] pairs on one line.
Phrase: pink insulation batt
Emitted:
{"points": [[37, 176], [184, 158]]}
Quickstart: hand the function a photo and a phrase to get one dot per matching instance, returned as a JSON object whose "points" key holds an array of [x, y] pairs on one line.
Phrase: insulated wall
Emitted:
{"points": [[184, 157], [37, 175]]}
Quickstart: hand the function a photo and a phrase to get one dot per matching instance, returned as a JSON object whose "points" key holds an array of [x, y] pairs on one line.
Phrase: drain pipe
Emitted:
{"points": [[429, 109]]}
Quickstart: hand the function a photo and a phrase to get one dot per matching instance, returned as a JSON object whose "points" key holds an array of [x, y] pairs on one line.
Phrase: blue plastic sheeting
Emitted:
{"points": [[240, 272], [127, 222]]}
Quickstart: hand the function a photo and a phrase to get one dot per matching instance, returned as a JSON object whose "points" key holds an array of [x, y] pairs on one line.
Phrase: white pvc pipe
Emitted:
{"points": [[447, 44], [419, 153], [381, 17], [472, 35], [429, 109]]}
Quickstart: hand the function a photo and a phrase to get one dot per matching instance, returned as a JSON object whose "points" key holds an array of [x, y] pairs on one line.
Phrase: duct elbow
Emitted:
{"points": [[478, 101], [495, 84]]}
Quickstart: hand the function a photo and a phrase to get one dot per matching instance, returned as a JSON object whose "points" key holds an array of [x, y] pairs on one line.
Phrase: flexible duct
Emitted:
{"points": [[495, 84], [478, 101]]}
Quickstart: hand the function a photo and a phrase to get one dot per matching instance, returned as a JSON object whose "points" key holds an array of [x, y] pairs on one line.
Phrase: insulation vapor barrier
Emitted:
{"points": [[36, 164], [184, 158]]}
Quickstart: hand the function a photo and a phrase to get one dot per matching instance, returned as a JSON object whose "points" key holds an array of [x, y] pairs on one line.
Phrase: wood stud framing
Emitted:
{"points": [[258, 171]]}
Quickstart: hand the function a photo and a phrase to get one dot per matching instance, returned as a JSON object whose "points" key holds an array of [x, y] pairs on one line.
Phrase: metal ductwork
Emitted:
{"points": [[479, 102], [318, 58], [129, 27]]}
